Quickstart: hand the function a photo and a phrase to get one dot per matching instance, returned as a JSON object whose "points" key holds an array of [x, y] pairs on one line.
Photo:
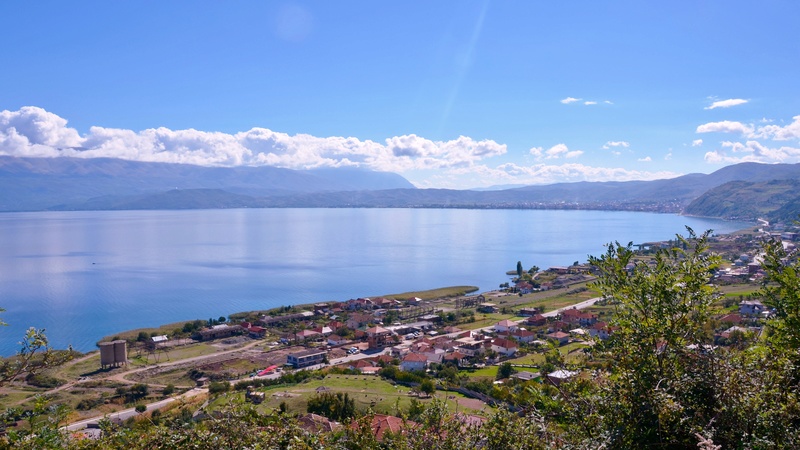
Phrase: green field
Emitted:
{"points": [[368, 392], [453, 291], [485, 320], [174, 354], [485, 372], [533, 359]]}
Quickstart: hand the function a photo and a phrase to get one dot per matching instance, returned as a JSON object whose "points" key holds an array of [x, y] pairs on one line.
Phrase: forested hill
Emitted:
{"points": [[776, 200]]}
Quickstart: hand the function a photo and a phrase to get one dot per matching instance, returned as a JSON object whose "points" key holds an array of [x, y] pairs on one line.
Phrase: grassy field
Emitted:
{"points": [[368, 392], [132, 334], [559, 301], [177, 377], [484, 320], [534, 359], [486, 372], [174, 354], [80, 367], [453, 291]]}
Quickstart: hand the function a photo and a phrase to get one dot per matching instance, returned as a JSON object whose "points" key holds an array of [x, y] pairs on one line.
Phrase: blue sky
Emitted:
{"points": [[454, 94]]}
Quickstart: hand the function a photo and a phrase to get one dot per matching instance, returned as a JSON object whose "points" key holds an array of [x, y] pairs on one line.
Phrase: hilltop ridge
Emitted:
{"points": [[31, 184]]}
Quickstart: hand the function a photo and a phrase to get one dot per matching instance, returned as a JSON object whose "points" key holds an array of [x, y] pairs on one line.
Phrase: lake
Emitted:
{"points": [[87, 274]]}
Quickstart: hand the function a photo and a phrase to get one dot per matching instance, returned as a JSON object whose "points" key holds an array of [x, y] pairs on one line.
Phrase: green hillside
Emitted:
{"points": [[774, 200]]}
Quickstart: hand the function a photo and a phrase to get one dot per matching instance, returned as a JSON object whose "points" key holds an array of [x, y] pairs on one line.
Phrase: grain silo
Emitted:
{"points": [[120, 352], [106, 354]]}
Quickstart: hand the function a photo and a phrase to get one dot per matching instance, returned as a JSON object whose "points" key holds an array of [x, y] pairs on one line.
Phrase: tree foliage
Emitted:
{"points": [[33, 356], [335, 406], [658, 385]]}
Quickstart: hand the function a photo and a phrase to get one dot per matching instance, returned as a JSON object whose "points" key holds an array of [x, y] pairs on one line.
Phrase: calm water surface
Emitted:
{"points": [[84, 275]]}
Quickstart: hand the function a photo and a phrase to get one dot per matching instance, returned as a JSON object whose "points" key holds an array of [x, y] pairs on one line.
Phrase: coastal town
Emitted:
{"points": [[391, 352]]}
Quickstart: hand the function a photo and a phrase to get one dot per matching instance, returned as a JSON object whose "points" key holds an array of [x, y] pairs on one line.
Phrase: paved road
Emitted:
{"points": [[120, 376], [581, 305], [131, 412], [553, 313]]}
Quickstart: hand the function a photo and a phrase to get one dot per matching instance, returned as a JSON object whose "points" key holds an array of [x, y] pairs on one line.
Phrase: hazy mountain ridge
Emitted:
{"points": [[96, 184], [71, 183]]}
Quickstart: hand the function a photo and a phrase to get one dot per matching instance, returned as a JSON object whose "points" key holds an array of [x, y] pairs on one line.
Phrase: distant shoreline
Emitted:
{"points": [[425, 294]]}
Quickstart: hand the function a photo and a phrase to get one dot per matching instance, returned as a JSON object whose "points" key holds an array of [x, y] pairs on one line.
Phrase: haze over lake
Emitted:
{"points": [[84, 275]]}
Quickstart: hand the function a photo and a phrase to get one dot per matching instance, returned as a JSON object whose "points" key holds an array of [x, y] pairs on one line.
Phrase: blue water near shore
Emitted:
{"points": [[84, 275]]}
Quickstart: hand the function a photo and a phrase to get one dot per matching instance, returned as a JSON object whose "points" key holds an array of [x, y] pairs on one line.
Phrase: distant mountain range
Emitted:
{"points": [[744, 191], [29, 184]]}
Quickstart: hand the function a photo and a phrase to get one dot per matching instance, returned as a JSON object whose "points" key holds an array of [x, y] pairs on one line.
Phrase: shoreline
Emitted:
{"points": [[308, 306], [92, 345]]}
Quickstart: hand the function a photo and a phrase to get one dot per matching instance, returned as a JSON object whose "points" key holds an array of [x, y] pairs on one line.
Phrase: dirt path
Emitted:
{"points": [[120, 376]]}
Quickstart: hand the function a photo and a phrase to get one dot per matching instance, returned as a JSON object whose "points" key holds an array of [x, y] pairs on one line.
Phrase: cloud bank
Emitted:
{"points": [[457, 163], [34, 132], [754, 149]]}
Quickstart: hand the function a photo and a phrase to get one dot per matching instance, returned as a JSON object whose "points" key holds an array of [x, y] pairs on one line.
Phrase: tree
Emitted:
{"points": [[663, 380], [391, 316], [427, 387], [335, 406], [141, 408], [781, 290], [505, 370], [519, 269], [33, 356], [218, 387]]}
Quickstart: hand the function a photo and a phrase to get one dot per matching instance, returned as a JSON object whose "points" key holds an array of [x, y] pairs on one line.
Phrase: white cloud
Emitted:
{"points": [[611, 144], [668, 156], [569, 100], [778, 133], [727, 103], [34, 132], [545, 174], [752, 151], [37, 127], [697, 143], [725, 126], [645, 159], [555, 152], [774, 132]]}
